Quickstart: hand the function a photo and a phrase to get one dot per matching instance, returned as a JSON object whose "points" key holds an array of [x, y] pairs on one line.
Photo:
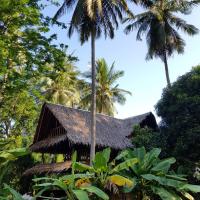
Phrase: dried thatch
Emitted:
{"points": [[49, 142], [71, 127], [48, 168]]}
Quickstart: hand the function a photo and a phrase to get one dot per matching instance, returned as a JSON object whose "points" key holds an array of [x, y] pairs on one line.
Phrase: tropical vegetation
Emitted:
{"points": [[161, 26], [141, 174], [62, 86], [179, 109], [107, 89], [154, 177], [35, 68]]}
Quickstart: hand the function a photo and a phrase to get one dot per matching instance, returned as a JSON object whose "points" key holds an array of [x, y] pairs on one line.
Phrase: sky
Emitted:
{"points": [[145, 79]]}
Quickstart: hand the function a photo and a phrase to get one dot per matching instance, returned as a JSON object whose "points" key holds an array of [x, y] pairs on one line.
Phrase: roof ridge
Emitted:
{"points": [[79, 109], [101, 114], [144, 114]]}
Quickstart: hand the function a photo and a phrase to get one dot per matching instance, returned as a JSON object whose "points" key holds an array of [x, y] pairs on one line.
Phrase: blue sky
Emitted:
{"points": [[145, 79]]}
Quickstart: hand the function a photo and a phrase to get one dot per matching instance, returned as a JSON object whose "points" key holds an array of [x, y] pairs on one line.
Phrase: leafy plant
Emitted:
{"points": [[106, 174], [153, 177], [8, 193], [74, 186], [7, 155]]}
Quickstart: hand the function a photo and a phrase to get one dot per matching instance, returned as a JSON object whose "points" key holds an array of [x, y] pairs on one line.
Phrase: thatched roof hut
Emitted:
{"points": [[62, 130]]}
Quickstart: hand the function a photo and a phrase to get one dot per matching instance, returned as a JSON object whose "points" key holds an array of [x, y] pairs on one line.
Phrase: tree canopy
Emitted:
{"points": [[25, 55], [179, 109]]}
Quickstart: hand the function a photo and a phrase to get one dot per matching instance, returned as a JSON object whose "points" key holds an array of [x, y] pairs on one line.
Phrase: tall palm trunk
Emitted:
{"points": [[166, 70], [93, 107]]}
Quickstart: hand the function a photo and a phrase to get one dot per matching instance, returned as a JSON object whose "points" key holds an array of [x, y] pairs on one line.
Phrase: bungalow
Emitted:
{"points": [[63, 130]]}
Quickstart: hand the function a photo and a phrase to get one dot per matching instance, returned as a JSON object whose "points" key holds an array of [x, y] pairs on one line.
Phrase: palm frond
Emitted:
{"points": [[182, 24], [107, 93], [101, 16], [67, 5]]}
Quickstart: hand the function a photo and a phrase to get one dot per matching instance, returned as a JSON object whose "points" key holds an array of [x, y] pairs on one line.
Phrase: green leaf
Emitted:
{"points": [[176, 177], [164, 181], [190, 187], [44, 185], [164, 165], [151, 156], [15, 194], [139, 153], [124, 165], [106, 154], [101, 159], [60, 184], [6, 156], [97, 191], [165, 194], [83, 167], [76, 176], [80, 194], [55, 182], [19, 152], [74, 158], [123, 154]]}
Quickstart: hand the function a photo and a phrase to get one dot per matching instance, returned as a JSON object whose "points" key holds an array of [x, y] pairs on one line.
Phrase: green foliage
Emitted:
{"points": [[7, 157], [148, 138], [106, 174], [107, 88], [74, 186], [12, 167], [179, 109], [161, 24], [102, 174], [62, 86], [87, 17], [7, 193], [25, 57], [153, 177]]}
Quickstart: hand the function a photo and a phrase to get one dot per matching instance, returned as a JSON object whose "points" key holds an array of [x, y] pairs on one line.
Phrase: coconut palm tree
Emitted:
{"points": [[107, 89], [62, 87], [161, 26], [90, 18]]}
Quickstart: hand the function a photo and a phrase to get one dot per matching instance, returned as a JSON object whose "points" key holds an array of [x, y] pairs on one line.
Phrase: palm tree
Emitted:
{"points": [[161, 26], [62, 87], [107, 89], [90, 18]]}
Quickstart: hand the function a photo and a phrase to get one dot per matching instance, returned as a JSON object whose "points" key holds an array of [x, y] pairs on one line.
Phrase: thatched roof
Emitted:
{"points": [[48, 168], [59, 124]]}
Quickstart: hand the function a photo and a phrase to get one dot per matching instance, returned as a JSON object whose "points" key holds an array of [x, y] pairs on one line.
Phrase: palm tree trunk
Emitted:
{"points": [[93, 107], [166, 70]]}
